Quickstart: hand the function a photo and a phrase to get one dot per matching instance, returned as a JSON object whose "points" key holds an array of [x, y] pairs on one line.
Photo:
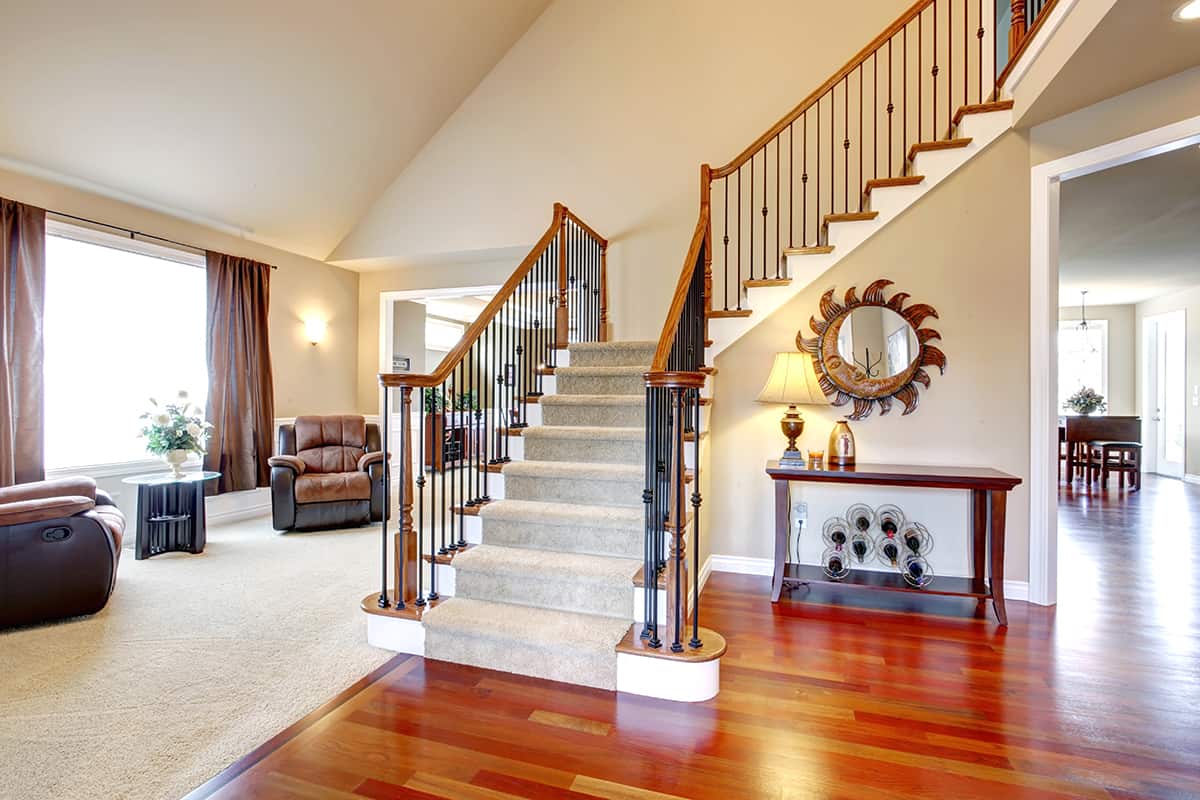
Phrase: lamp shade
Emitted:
{"points": [[792, 381]]}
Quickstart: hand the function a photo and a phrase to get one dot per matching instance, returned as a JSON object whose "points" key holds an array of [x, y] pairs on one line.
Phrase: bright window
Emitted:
{"points": [[442, 334], [125, 321], [1082, 358]]}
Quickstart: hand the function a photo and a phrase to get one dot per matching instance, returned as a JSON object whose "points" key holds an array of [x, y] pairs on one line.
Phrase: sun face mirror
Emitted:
{"points": [[873, 349]]}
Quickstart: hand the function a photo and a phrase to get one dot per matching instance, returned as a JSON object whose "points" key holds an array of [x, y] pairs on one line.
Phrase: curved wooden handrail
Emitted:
{"points": [[1028, 36], [851, 65], [667, 338], [472, 333], [586, 228]]}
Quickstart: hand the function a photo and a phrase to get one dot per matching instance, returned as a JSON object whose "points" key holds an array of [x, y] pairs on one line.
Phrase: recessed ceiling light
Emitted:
{"points": [[1188, 11]]}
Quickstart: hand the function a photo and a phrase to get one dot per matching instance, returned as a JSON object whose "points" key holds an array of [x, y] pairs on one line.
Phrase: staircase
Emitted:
{"points": [[549, 591], [548, 511]]}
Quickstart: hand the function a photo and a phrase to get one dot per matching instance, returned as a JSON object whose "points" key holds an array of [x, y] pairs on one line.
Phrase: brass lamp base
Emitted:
{"points": [[792, 426]]}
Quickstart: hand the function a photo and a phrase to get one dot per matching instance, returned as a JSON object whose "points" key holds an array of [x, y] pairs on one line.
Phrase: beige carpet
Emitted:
{"points": [[196, 661]]}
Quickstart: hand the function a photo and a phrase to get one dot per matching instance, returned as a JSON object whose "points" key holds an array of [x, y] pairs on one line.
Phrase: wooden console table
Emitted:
{"points": [[989, 490]]}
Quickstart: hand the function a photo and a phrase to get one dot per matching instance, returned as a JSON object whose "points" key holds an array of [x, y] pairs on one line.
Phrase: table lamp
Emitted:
{"points": [[792, 382]]}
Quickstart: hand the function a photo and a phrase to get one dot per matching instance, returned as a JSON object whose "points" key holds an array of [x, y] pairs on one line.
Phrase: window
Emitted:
{"points": [[1082, 358], [125, 321], [442, 334]]}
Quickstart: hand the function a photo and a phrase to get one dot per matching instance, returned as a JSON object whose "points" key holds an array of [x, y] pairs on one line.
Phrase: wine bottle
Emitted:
{"points": [[835, 563], [861, 516], [835, 531], [861, 547], [916, 571], [890, 550], [917, 539]]}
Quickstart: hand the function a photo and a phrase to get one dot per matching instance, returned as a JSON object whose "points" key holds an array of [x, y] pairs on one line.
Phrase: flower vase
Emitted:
{"points": [[175, 459]]}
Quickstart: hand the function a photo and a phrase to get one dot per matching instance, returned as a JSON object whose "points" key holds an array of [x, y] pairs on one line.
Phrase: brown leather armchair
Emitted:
{"points": [[328, 474], [60, 542]]}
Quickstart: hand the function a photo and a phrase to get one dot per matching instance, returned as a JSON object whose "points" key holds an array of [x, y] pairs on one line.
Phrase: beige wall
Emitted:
{"points": [[299, 288], [942, 251], [418, 276], [1189, 302], [610, 108], [1122, 348]]}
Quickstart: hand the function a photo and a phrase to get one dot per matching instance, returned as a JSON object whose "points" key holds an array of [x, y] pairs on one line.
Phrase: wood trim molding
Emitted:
{"points": [[225, 776]]}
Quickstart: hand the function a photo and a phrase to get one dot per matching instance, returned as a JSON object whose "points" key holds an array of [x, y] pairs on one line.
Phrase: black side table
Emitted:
{"points": [[170, 513]]}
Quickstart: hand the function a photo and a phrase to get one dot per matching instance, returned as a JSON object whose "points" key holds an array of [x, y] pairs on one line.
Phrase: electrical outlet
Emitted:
{"points": [[800, 513]]}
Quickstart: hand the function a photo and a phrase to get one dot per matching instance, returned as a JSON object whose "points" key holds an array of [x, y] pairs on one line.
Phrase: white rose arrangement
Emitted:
{"points": [[175, 426]]}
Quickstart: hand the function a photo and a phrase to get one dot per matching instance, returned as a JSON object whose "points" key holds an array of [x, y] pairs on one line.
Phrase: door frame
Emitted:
{"points": [[1045, 180]]}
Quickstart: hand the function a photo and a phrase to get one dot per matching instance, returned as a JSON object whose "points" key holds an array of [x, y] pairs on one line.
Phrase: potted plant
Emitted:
{"points": [[1085, 401], [174, 430]]}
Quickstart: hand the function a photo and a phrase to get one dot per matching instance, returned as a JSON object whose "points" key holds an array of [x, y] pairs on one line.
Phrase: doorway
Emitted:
{"points": [[1164, 342]]}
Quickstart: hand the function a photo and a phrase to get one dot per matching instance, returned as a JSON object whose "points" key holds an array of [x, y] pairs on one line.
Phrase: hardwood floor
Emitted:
{"points": [[856, 697]]}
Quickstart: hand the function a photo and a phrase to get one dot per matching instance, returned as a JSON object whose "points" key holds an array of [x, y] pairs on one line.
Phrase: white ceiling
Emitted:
{"points": [[1131, 232], [283, 118]]}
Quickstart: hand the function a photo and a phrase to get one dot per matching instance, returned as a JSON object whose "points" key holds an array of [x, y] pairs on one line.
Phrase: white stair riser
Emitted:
{"points": [[516, 448], [533, 413], [397, 635], [549, 384], [668, 679], [889, 201]]}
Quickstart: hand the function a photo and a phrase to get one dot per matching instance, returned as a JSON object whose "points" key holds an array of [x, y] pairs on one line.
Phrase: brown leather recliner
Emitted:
{"points": [[328, 474], [60, 542]]}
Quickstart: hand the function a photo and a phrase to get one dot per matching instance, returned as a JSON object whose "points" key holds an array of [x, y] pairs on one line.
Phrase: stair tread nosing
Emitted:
{"points": [[603, 371], [593, 400], [538, 512], [542, 642], [540, 564], [585, 432], [574, 470], [632, 344]]}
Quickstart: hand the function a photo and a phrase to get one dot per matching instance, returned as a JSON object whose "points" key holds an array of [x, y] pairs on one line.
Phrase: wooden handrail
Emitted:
{"points": [[472, 333], [667, 337], [1026, 37], [851, 65]]}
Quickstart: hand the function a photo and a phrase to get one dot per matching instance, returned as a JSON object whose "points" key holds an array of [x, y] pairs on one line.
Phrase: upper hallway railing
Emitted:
{"points": [[478, 396], [903, 93]]}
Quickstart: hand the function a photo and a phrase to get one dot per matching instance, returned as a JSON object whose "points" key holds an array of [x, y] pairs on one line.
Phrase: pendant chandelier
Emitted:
{"points": [[1082, 327]]}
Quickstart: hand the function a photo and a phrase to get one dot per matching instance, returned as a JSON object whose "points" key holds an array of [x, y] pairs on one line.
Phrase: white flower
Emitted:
{"points": [[193, 430], [161, 419], [183, 395]]}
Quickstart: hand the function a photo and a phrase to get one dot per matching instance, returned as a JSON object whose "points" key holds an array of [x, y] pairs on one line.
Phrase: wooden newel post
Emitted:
{"points": [[561, 318], [405, 558], [604, 292], [1016, 31], [706, 204]]}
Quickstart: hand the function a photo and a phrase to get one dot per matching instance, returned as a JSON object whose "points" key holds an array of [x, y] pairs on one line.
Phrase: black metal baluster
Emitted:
{"points": [[764, 213], [791, 183], [649, 584], [934, 73], [804, 180], [890, 109], [846, 144], [387, 504], [695, 643], [904, 101], [860, 138], [485, 417], [424, 418], [875, 115], [738, 287], [817, 193], [920, 64], [777, 253], [450, 466], [462, 467], [725, 241], [677, 515], [979, 36], [949, 61], [441, 464]]}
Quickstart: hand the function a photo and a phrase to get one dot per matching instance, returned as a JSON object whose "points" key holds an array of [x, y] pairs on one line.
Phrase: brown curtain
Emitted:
{"points": [[23, 293], [241, 399]]}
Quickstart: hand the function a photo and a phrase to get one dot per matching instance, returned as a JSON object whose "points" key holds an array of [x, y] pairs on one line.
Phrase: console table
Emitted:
{"points": [[989, 490]]}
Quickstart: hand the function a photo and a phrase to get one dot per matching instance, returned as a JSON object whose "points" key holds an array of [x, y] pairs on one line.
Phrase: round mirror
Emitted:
{"points": [[878, 342], [872, 350]]}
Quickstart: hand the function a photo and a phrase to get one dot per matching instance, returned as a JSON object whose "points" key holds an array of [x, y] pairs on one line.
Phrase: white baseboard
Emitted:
{"points": [[744, 565], [706, 570], [1190, 478], [235, 506]]}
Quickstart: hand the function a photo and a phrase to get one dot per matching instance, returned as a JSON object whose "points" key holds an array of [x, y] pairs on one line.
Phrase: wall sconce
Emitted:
{"points": [[314, 329]]}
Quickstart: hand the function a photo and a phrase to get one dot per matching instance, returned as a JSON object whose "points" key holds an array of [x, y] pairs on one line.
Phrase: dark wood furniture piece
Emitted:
{"points": [[461, 434], [989, 490], [1078, 431], [170, 513], [1123, 458]]}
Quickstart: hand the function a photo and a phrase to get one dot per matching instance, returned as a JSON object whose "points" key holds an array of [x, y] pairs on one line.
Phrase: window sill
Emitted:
{"points": [[119, 469]]}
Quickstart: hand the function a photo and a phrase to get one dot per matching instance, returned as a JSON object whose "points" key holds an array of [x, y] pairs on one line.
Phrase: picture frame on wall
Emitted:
{"points": [[401, 364]]}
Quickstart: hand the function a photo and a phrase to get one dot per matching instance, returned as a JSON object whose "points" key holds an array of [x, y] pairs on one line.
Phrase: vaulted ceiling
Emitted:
{"points": [[282, 118]]}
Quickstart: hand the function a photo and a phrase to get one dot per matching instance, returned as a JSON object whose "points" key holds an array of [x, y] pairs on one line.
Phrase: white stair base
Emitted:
{"points": [[668, 678]]}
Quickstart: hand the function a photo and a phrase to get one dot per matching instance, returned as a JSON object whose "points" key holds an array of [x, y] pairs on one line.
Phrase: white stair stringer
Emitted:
{"points": [[891, 201]]}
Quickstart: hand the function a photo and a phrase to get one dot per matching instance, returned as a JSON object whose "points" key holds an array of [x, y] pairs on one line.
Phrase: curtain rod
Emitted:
{"points": [[132, 233]]}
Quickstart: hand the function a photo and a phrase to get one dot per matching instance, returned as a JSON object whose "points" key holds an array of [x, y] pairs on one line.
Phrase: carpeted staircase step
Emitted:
{"points": [[598, 445], [540, 642], [594, 410], [601, 380], [564, 482], [587, 584], [612, 354], [597, 530]]}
